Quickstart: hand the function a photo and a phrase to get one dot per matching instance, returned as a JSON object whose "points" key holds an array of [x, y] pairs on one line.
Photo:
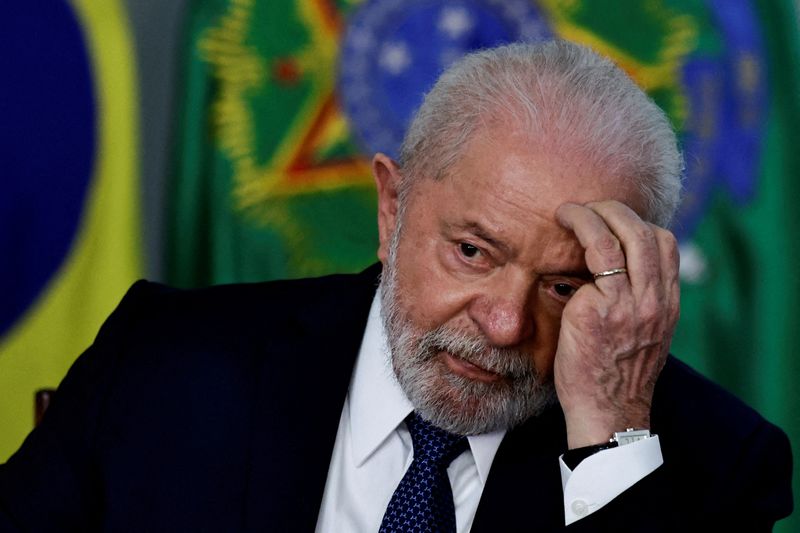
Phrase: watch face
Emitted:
{"points": [[627, 437]]}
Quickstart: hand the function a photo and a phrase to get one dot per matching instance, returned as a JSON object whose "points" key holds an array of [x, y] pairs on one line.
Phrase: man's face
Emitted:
{"points": [[477, 278]]}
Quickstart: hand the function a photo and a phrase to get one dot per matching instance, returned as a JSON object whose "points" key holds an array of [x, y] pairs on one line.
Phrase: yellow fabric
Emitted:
{"points": [[106, 256]]}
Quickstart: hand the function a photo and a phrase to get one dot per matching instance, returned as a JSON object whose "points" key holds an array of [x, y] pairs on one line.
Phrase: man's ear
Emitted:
{"points": [[387, 179]]}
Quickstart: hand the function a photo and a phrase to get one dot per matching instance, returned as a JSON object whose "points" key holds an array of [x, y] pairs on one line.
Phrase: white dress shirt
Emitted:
{"points": [[373, 450]]}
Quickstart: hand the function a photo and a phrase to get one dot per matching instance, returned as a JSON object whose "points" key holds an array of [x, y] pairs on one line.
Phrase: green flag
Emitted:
{"points": [[284, 99], [740, 299], [268, 182]]}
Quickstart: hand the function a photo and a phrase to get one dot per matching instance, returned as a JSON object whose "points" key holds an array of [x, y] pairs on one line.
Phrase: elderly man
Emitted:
{"points": [[511, 374]]}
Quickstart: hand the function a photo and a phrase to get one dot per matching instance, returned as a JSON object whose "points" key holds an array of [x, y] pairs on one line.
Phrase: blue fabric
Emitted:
{"points": [[423, 501]]}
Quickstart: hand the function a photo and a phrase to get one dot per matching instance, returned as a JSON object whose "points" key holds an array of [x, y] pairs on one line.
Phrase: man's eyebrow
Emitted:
{"points": [[479, 231]]}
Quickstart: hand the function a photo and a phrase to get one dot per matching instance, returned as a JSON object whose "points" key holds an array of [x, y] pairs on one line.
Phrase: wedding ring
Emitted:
{"points": [[611, 272]]}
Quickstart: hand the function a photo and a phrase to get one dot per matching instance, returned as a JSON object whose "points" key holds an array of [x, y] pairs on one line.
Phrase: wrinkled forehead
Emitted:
{"points": [[511, 161]]}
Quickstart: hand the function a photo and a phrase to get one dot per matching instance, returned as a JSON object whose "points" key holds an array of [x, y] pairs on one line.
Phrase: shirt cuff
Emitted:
{"points": [[601, 477]]}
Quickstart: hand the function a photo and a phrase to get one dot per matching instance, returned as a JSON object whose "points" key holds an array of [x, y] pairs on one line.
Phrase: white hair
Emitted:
{"points": [[568, 99]]}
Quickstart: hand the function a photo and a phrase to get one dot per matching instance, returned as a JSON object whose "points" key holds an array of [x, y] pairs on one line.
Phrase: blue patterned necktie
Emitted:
{"points": [[423, 501]]}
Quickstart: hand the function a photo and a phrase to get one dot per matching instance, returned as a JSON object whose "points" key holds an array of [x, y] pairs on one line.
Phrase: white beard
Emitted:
{"points": [[454, 403]]}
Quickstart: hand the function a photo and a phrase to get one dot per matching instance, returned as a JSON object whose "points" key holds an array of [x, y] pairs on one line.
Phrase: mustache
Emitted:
{"points": [[475, 349]]}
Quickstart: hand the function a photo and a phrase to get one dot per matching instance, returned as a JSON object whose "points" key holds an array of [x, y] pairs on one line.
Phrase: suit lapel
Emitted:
{"points": [[523, 491], [303, 382]]}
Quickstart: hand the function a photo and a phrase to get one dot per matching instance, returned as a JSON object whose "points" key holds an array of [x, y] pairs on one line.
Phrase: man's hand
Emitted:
{"points": [[615, 332]]}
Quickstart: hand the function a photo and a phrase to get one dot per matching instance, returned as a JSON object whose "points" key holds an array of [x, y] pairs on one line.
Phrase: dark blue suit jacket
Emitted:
{"points": [[217, 410]]}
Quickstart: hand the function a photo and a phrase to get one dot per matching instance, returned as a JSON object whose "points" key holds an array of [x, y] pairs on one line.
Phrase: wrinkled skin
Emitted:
{"points": [[504, 247], [615, 332]]}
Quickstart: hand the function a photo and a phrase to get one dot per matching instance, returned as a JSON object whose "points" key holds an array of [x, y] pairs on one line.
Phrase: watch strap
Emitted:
{"points": [[572, 458]]}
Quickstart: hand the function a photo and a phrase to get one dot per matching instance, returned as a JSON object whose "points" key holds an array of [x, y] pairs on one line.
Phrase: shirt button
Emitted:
{"points": [[579, 507]]}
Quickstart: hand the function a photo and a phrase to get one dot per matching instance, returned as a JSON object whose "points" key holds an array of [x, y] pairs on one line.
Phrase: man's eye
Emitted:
{"points": [[469, 251], [564, 289]]}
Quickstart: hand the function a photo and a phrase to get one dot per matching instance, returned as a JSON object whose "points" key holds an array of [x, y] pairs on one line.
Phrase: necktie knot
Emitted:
{"points": [[434, 445]]}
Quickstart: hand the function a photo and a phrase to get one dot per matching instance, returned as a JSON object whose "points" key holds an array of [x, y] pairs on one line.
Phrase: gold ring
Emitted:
{"points": [[611, 272]]}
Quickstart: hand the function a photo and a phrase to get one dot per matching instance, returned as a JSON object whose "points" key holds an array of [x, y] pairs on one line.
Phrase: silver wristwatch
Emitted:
{"points": [[630, 435]]}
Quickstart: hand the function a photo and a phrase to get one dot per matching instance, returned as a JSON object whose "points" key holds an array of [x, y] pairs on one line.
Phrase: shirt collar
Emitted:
{"points": [[378, 405]]}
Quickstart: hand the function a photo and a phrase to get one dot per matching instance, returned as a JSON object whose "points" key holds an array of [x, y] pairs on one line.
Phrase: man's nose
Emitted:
{"points": [[504, 313]]}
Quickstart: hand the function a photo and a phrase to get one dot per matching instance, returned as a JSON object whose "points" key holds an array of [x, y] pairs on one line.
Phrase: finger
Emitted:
{"points": [[638, 241], [602, 248], [670, 268]]}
